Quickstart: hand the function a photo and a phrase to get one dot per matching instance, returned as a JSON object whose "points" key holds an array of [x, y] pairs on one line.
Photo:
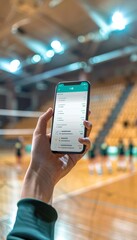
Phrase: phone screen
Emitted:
{"points": [[70, 110]]}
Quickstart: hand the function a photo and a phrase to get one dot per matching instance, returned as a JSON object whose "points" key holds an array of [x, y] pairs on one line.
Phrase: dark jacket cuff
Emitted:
{"points": [[35, 220]]}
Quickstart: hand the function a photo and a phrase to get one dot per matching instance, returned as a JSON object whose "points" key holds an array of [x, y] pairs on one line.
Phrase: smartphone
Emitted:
{"points": [[71, 106]]}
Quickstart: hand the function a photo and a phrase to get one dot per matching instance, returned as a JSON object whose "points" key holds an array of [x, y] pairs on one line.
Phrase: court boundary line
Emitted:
{"points": [[93, 187]]}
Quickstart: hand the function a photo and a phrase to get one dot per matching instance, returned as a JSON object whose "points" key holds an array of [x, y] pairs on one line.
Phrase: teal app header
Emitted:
{"points": [[73, 88]]}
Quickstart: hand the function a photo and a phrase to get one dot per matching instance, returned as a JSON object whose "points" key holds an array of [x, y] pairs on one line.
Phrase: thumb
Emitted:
{"points": [[42, 122]]}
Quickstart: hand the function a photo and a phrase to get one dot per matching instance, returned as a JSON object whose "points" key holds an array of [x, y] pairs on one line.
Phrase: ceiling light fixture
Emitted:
{"points": [[54, 3], [118, 21], [14, 65], [57, 46], [36, 58], [50, 53]]}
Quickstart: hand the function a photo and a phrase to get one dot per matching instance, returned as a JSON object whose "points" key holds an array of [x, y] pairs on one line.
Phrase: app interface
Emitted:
{"points": [[70, 112]]}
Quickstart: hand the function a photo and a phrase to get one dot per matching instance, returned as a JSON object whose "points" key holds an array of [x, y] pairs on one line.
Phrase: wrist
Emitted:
{"points": [[36, 187]]}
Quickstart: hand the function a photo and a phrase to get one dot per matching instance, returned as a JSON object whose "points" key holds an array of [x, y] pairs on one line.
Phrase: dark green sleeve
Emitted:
{"points": [[35, 220]]}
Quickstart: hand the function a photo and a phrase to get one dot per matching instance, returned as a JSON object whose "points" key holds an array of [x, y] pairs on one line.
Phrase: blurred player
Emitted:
{"points": [[19, 148], [91, 156], [121, 165], [94, 164], [130, 150], [104, 156]]}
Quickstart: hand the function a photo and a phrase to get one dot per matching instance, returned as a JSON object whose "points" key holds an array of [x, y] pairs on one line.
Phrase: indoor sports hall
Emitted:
{"points": [[42, 43]]}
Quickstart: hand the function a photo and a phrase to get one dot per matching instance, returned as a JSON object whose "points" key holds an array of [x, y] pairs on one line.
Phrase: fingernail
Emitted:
{"points": [[50, 110], [81, 139], [88, 123]]}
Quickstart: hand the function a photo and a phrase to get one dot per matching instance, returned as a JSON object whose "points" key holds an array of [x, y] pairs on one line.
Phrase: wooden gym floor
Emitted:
{"points": [[90, 207]]}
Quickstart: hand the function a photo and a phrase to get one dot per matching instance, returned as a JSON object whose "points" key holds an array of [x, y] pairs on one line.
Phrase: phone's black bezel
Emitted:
{"points": [[87, 110]]}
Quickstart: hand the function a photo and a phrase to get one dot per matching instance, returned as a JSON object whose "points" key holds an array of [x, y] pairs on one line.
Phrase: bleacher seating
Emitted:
{"points": [[103, 100], [128, 117]]}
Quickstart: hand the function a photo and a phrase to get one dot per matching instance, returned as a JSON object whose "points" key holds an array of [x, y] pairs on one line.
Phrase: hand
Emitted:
{"points": [[47, 168]]}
